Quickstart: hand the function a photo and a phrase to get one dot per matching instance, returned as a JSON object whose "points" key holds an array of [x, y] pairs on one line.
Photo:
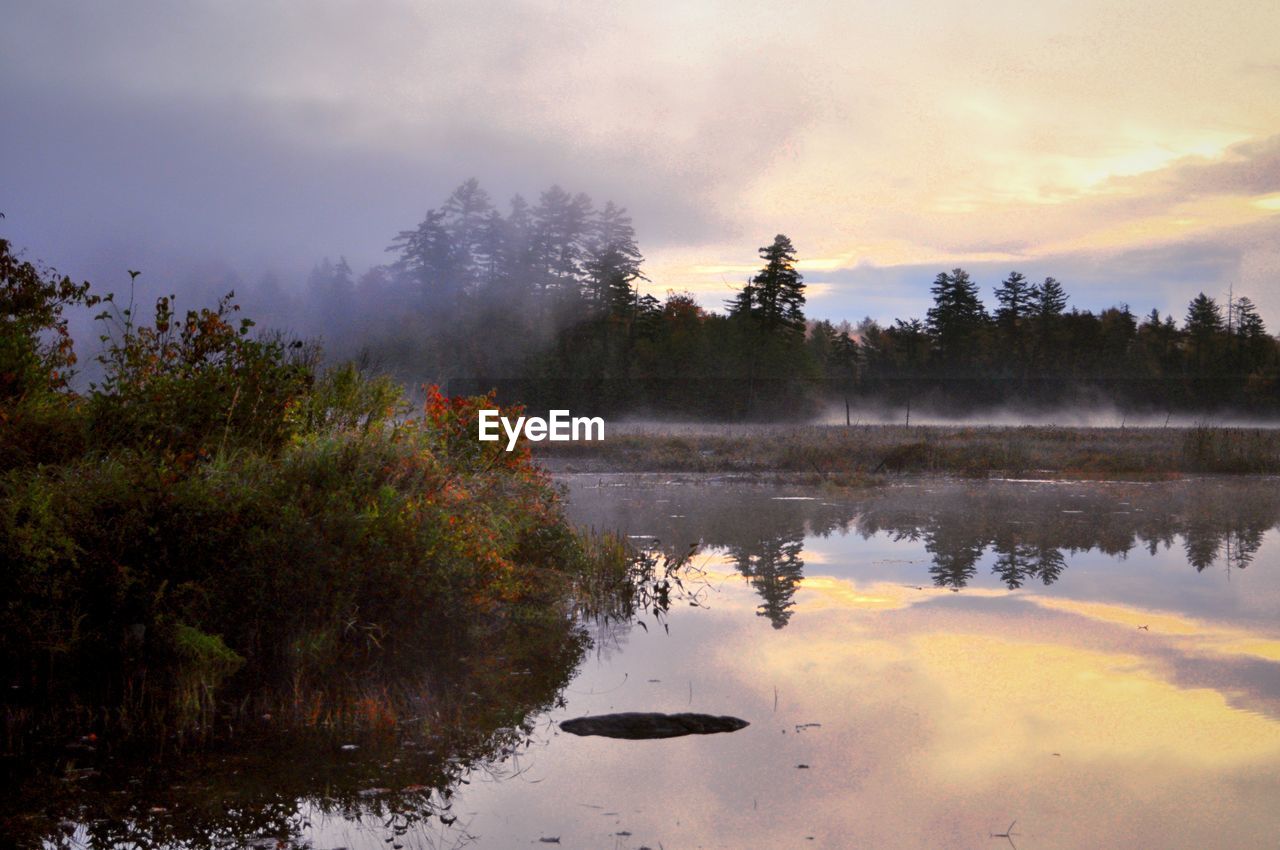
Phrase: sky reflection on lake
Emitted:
{"points": [[921, 664], [1132, 699]]}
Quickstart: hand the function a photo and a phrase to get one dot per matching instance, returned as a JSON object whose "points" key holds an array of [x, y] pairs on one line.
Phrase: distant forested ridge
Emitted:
{"points": [[543, 303]]}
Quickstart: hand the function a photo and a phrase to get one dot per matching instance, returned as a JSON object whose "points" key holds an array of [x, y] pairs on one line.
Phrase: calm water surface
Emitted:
{"points": [[922, 665]]}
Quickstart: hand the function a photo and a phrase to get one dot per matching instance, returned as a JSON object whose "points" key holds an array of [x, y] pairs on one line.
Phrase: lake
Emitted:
{"points": [[932, 663]]}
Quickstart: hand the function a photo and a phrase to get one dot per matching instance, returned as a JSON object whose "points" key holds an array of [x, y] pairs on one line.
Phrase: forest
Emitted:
{"points": [[548, 305]]}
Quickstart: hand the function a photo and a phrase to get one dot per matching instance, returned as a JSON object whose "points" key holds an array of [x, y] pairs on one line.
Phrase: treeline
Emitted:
{"points": [[544, 303], [1031, 349]]}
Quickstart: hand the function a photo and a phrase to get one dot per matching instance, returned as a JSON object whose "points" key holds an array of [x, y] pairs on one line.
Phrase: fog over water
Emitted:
{"points": [[1082, 416], [1099, 416]]}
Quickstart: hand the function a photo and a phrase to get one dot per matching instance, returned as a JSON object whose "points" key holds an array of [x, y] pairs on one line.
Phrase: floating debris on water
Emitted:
{"points": [[646, 725]]}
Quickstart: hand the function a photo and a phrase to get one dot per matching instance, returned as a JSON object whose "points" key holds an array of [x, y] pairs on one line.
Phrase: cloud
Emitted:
{"points": [[1164, 276], [265, 135], [1248, 169], [887, 141], [1245, 170]]}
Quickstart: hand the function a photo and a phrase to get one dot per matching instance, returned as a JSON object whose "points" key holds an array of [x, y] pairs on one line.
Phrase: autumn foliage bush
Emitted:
{"points": [[219, 518]]}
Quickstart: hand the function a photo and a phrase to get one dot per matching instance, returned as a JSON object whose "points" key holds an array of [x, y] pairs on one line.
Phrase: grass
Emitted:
{"points": [[859, 453]]}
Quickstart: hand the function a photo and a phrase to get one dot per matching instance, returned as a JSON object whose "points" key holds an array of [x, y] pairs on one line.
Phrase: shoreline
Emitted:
{"points": [[864, 453]]}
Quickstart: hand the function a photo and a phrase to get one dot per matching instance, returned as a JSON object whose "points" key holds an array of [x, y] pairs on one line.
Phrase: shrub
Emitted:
{"points": [[224, 520], [196, 386], [38, 419]]}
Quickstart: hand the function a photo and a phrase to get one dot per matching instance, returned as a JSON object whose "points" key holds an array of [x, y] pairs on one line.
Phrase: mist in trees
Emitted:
{"points": [[545, 301]]}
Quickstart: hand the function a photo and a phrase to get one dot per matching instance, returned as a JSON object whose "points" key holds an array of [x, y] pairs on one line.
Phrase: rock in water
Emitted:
{"points": [[638, 725]]}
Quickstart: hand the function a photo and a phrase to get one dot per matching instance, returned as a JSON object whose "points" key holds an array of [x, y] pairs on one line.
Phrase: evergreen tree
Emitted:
{"points": [[742, 304], [1204, 327], [1257, 361], [427, 259], [1049, 300], [1158, 355], [519, 243], [559, 237], [820, 339], [1114, 352], [910, 346], [648, 316], [1048, 303], [465, 214], [613, 262], [490, 252], [1014, 296], [767, 341], [957, 317], [776, 294], [1249, 324], [1204, 318]]}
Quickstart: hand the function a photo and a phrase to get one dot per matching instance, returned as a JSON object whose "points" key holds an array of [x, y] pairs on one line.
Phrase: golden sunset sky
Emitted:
{"points": [[1130, 149]]}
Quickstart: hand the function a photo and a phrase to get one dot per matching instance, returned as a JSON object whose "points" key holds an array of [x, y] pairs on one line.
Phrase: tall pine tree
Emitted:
{"points": [[775, 297], [1014, 297], [957, 318]]}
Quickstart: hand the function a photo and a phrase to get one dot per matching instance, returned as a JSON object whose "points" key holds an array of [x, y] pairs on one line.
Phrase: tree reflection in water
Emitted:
{"points": [[270, 787], [774, 567], [1017, 563], [481, 712], [1027, 530]]}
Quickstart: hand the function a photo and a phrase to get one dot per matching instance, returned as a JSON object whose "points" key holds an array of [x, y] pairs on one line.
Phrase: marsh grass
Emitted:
{"points": [[640, 583], [857, 454]]}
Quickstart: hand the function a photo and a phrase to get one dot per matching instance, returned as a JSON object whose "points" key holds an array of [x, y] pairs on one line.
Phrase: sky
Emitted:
{"points": [[1131, 149]]}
